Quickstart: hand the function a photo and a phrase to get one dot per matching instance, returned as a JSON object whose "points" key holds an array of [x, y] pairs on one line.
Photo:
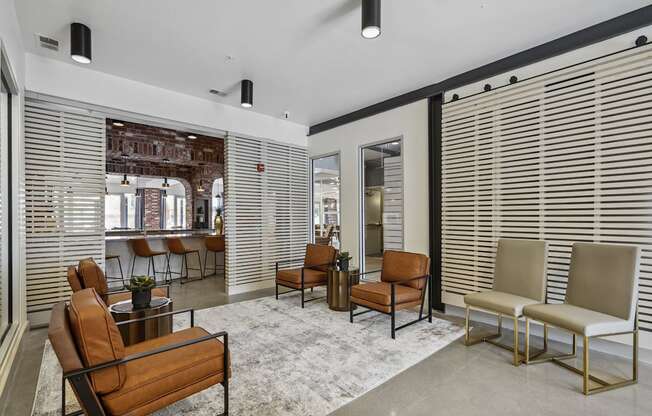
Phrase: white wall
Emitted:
{"points": [[12, 40], [78, 83], [410, 122]]}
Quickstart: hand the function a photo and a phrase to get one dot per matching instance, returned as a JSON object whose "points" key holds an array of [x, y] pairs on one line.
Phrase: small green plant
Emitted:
{"points": [[141, 283], [344, 255], [219, 211]]}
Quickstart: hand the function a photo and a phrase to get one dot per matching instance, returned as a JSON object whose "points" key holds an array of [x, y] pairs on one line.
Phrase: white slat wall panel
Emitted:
{"points": [[64, 197], [564, 157], [393, 204], [266, 214]]}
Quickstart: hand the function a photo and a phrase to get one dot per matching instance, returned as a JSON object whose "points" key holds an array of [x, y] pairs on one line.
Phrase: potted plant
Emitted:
{"points": [[343, 261], [141, 291]]}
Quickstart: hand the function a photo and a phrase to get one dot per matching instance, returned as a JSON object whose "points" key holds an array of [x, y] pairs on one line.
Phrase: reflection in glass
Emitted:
{"points": [[382, 174], [326, 200]]}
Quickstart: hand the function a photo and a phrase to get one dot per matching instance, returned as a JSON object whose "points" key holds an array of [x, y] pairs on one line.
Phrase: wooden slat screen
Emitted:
{"points": [[266, 213], [64, 197], [563, 157]]}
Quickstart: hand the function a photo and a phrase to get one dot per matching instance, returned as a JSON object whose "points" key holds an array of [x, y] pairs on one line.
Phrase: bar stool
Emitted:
{"points": [[214, 244], [142, 249], [176, 247], [108, 257]]}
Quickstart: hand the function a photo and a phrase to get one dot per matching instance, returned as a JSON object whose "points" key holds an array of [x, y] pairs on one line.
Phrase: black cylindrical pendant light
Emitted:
{"points": [[247, 93], [80, 43], [370, 19]]}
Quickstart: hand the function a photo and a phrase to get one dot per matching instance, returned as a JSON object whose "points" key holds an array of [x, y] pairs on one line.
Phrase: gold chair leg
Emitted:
{"points": [[517, 358], [466, 326], [586, 381], [527, 340]]}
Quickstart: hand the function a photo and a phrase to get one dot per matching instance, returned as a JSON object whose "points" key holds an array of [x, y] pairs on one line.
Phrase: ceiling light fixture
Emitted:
{"points": [[200, 188], [192, 136], [165, 183], [246, 93], [118, 123], [125, 181], [370, 19], [80, 43]]}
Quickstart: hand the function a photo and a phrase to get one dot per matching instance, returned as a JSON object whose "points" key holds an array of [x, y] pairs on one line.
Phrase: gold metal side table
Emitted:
{"points": [[337, 291]]}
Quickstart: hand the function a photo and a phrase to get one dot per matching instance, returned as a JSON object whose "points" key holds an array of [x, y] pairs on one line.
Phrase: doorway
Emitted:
{"points": [[381, 201]]}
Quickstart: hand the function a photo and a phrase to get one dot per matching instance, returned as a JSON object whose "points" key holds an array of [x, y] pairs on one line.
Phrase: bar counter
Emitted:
{"points": [[117, 243]]}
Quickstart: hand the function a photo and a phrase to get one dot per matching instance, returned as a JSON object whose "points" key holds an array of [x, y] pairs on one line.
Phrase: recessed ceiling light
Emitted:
{"points": [[192, 136], [395, 143], [118, 124]]}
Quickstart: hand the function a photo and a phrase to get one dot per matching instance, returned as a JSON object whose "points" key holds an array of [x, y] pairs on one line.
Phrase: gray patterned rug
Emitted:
{"points": [[289, 361]]}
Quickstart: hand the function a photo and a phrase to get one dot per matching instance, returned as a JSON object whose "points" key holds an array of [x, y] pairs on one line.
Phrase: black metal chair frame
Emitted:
{"points": [[150, 264], [392, 313], [121, 279], [303, 288], [184, 266], [214, 263], [81, 383]]}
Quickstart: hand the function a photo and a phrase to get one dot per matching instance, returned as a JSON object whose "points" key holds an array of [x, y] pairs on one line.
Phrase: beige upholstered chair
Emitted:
{"points": [[601, 300], [519, 280]]}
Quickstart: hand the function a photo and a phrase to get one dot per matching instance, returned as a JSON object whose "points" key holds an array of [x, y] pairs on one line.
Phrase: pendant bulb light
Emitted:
{"points": [[370, 19], [247, 93], [200, 188], [165, 183], [80, 43], [125, 181]]}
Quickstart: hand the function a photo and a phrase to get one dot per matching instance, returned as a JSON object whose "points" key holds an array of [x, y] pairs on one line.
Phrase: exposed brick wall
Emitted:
{"points": [[152, 217], [189, 161]]}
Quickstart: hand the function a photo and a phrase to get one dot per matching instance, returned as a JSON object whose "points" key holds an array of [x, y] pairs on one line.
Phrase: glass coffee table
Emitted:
{"points": [[142, 331]]}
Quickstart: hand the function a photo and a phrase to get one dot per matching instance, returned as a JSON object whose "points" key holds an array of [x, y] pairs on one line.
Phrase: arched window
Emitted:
{"points": [[217, 197]]}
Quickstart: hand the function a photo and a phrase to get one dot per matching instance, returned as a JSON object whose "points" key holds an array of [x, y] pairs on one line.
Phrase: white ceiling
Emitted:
{"points": [[304, 56]]}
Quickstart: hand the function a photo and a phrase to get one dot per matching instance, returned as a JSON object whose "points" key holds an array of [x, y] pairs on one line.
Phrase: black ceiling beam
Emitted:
{"points": [[593, 34]]}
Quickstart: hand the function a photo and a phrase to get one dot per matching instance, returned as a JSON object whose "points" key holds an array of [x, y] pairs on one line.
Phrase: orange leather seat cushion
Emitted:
{"points": [[98, 339], [381, 293], [92, 276], [159, 292], [157, 381], [310, 276]]}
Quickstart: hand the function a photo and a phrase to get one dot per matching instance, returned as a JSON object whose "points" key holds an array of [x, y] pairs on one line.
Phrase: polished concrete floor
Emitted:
{"points": [[457, 380]]}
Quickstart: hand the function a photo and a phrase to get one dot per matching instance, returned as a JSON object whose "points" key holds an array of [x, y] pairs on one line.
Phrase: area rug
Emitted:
{"points": [[287, 360]]}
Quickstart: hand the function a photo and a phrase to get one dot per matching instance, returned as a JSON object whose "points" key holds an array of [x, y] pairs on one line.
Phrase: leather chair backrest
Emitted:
{"points": [[215, 243], [74, 280], [97, 339], [141, 247], [520, 268], [402, 265], [64, 347], [319, 257], [604, 278], [176, 246], [92, 276]]}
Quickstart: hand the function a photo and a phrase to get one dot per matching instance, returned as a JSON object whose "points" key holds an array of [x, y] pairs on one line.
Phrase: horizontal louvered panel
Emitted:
{"points": [[564, 157], [64, 197]]}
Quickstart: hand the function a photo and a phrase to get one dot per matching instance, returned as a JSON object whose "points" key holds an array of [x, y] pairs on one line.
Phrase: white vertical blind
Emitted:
{"points": [[266, 213], [563, 157], [64, 197], [393, 203]]}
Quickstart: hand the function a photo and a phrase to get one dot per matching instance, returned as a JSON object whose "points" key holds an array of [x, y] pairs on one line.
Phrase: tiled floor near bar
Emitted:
{"points": [[457, 380]]}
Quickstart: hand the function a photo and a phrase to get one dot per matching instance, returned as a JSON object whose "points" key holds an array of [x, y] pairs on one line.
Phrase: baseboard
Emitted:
{"points": [[9, 350], [619, 346], [250, 287]]}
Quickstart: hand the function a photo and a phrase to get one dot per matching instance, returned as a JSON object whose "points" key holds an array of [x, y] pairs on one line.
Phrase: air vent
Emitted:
{"points": [[47, 42], [216, 92]]}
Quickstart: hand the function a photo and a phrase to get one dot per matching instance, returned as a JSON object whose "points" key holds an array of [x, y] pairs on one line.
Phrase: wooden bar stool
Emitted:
{"points": [[108, 257], [176, 247], [142, 249], [214, 244]]}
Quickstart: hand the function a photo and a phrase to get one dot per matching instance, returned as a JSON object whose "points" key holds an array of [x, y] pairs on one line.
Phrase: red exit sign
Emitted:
{"points": [[260, 167]]}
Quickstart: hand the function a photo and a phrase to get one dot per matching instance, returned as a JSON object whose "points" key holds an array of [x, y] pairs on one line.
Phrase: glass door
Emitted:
{"points": [[381, 202], [5, 275], [325, 172]]}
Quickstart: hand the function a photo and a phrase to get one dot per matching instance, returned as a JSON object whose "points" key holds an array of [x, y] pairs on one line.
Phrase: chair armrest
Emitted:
{"points": [[362, 274], [289, 261], [161, 315], [159, 350], [398, 282]]}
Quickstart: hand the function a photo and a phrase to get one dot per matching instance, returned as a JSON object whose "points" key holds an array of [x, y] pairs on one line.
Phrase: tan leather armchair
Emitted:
{"points": [[404, 280], [90, 275], [109, 379], [313, 273]]}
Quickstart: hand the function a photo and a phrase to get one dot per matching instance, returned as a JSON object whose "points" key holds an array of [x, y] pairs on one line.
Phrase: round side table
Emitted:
{"points": [[142, 331], [337, 291]]}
